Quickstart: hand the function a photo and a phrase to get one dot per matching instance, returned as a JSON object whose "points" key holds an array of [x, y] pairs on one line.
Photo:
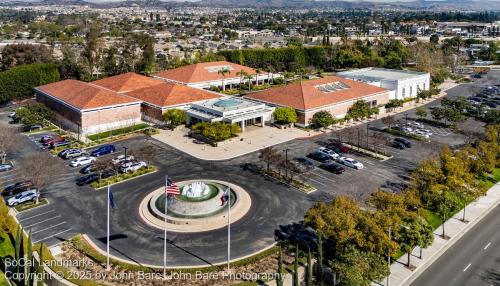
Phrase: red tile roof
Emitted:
{"points": [[126, 82], [82, 95], [305, 95], [203, 72], [170, 94]]}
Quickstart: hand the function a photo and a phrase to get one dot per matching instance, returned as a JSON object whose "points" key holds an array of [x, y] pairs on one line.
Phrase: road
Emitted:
{"points": [[474, 260]]}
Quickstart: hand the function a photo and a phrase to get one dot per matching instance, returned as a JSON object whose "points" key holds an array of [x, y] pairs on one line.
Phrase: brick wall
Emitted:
{"points": [[109, 119]]}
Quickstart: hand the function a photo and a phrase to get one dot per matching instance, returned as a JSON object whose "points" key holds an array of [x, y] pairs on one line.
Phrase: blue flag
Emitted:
{"points": [[111, 200]]}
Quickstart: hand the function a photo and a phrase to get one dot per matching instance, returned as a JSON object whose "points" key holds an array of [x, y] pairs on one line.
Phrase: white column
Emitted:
{"points": [[242, 125]]}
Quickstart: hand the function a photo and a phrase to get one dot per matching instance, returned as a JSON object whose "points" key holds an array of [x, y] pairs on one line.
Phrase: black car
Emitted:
{"points": [[333, 168], [107, 173], [320, 157], [32, 127], [59, 144], [83, 180], [305, 162], [403, 141], [17, 188], [88, 169], [398, 145]]}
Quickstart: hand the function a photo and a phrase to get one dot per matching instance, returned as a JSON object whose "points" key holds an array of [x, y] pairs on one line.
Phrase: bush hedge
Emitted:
{"points": [[119, 131], [19, 82]]}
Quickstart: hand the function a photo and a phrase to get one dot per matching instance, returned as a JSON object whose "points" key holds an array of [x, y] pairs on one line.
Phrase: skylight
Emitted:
{"points": [[216, 69], [332, 87]]}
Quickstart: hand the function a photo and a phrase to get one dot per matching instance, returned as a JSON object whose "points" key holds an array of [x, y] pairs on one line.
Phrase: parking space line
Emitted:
{"points": [[56, 225], [37, 241], [314, 180], [27, 218], [45, 220]]}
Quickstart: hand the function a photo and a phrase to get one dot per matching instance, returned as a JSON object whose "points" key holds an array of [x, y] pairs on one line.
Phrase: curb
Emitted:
{"points": [[126, 180], [101, 252], [417, 272]]}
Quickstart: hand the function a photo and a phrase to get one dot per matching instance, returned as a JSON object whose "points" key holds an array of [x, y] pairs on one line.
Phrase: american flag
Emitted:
{"points": [[172, 189]]}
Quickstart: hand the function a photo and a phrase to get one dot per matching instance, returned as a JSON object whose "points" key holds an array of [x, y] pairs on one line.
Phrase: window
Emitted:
{"points": [[404, 91], [373, 103], [411, 90]]}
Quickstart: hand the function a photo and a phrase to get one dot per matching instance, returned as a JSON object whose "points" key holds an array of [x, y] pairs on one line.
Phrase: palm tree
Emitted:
{"points": [[287, 75], [242, 74], [257, 72], [270, 74], [223, 72], [249, 78]]}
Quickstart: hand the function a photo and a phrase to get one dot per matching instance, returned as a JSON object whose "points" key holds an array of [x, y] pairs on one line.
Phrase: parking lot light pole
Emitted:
{"points": [[406, 118], [389, 252], [286, 163], [125, 149], [367, 134]]}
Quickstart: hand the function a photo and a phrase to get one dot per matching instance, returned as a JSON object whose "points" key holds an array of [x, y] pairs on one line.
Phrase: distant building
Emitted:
{"points": [[402, 83], [332, 94], [206, 75]]}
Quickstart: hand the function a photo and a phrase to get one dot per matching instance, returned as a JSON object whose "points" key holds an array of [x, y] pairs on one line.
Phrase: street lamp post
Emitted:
{"points": [[286, 163], [406, 118], [367, 134], [389, 252], [125, 149]]}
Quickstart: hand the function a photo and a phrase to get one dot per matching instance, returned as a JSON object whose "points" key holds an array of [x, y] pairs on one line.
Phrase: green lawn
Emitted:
{"points": [[489, 181], [3, 280], [431, 218], [6, 247], [119, 131]]}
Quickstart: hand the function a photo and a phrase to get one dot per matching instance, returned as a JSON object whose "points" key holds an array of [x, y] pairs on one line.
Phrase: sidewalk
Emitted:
{"points": [[454, 228]]}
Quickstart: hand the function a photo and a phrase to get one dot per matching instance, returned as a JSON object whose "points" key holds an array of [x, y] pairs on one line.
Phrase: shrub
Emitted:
{"points": [[217, 131], [285, 115], [322, 119], [175, 117], [119, 131]]}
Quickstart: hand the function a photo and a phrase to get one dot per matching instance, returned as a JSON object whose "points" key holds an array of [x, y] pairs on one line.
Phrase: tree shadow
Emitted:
{"points": [[186, 251]]}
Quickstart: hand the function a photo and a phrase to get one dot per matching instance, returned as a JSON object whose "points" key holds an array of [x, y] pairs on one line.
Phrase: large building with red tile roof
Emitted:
{"points": [[332, 94], [159, 98], [127, 82], [87, 108], [206, 75]]}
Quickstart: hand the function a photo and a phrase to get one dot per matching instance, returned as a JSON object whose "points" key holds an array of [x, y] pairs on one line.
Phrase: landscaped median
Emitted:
{"points": [[405, 134], [120, 178], [30, 205]]}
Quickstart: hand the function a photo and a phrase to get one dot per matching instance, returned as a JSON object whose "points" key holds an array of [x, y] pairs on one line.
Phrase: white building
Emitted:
{"points": [[402, 83]]}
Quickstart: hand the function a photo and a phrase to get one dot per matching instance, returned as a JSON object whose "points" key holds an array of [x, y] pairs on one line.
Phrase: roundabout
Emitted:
{"points": [[202, 205]]}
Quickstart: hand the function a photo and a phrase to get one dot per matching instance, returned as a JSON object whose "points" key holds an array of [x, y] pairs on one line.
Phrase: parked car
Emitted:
{"points": [[330, 153], [416, 124], [84, 160], [88, 179], [108, 173], [63, 152], [74, 153], [333, 168], [133, 167], [32, 127], [29, 195], [403, 141], [49, 140], [398, 145], [6, 167], [305, 162], [46, 138], [88, 169], [59, 144], [350, 162], [421, 133], [103, 150], [341, 148], [17, 188], [320, 157], [121, 158], [12, 114]]}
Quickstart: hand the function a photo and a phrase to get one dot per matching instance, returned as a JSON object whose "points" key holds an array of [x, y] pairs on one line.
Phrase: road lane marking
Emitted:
{"points": [[30, 217], [42, 221], [55, 225], [487, 245], [52, 235], [465, 269]]}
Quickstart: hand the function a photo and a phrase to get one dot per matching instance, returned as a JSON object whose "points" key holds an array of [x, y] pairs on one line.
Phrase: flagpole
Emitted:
{"points": [[229, 232], [107, 236], [165, 230]]}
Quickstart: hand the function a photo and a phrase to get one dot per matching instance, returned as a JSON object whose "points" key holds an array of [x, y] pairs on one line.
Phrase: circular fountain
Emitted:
{"points": [[202, 205]]}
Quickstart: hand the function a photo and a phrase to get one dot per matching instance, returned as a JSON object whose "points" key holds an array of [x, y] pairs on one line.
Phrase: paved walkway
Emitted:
{"points": [[255, 138], [454, 228]]}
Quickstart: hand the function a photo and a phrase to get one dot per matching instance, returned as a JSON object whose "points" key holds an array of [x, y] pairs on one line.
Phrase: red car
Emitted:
{"points": [[52, 140], [339, 146]]}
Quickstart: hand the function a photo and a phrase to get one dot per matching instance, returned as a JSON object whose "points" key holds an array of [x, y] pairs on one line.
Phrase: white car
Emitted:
{"points": [[82, 161], [12, 114], [421, 134], [330, 153], [416, 124], [132, 166], [29, 195], [349, 162], [122, 158], [407, 129]]}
